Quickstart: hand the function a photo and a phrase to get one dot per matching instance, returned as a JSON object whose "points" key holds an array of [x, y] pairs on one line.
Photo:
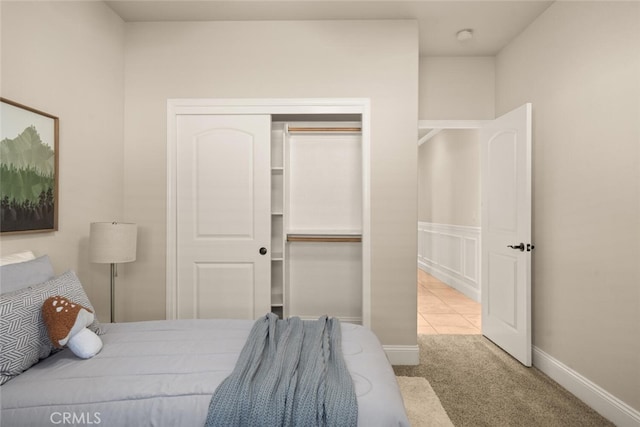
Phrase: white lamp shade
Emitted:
{"points": [[112, 242]]}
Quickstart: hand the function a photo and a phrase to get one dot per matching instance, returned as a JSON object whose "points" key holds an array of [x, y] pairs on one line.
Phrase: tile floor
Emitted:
{"points": [[444, 310]]}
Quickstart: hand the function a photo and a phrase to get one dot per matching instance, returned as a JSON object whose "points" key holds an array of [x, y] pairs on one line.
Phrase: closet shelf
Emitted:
{"points": [[308, 129], [277, 299], [325, 238]]}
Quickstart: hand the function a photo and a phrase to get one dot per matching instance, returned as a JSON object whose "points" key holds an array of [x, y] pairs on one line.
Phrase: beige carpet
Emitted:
{"points": [[479, 385], [422, 405]]}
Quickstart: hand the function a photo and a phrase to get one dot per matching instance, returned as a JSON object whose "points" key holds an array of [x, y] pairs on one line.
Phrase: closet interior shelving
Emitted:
{"points": [[316, 219]]}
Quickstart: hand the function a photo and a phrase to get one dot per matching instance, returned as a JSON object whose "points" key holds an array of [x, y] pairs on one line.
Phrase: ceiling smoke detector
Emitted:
{"points": [[466, 34]]}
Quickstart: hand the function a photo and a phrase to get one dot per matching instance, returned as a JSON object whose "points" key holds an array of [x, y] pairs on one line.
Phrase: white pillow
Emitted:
{"points": [[17, 257]]}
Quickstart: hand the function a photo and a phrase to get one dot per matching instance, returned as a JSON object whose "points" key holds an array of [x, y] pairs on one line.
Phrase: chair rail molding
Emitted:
{"points": [[451, 253]]}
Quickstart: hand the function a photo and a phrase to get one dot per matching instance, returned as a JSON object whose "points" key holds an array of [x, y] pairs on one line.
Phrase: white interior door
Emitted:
{"points": [[223, 216], [506, 232]]}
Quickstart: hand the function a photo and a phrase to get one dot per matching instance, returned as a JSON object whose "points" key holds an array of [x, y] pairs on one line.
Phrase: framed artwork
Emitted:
{"points": [[28, 169]]}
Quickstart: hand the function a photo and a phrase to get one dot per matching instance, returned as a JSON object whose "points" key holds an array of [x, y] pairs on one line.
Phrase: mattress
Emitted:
{"points": [[163, 373]]}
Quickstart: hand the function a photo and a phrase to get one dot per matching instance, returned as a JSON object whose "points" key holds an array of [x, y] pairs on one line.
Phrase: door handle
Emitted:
{"points": [[521, 246], [263, 251]]}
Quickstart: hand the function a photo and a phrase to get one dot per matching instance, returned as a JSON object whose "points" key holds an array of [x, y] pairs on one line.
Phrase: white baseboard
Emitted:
{"points": [[402, 354], [343, 319], [607, 405]]}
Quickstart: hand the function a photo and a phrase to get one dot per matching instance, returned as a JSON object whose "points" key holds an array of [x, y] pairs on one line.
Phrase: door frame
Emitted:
{"points": [[432, 128], [319, 106]]}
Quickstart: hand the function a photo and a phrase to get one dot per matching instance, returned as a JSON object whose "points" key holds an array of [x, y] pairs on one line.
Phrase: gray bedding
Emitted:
{"points": [[163, 373]]}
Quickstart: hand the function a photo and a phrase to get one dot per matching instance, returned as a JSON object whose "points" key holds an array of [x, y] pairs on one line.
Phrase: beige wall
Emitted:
{"points": [[579, 64], [370, 59], [453, 88], [457, 88], [66, 59], [449, 178]]}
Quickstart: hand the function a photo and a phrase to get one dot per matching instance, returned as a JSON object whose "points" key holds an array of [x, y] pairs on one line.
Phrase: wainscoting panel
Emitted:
{"points": [[451, 253]]}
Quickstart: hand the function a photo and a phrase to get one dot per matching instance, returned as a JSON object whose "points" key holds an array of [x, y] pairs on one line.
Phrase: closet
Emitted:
{"points": [[316, 227], [267, 212]]}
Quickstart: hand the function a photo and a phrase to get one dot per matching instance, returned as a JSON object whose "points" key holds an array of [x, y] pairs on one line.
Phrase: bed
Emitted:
{"points": [[162, 373]]}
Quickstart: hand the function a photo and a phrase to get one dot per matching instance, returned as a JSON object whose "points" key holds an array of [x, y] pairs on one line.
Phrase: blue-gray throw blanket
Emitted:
{"points": [[290, 373]]}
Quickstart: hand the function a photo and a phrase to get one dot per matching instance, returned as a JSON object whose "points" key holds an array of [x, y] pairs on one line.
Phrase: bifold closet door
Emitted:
{"points": [[223, 216]]}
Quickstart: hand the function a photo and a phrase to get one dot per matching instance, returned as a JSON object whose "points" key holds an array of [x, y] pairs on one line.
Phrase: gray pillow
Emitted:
{"points": [[23, 334], [23, 274]]}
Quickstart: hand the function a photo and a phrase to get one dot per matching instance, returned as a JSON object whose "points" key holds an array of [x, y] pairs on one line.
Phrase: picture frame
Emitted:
{"points": [[28, 169]]}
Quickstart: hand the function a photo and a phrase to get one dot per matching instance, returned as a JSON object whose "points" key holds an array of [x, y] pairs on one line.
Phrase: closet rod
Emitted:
{"points": [[325, 129], [323, 239]]}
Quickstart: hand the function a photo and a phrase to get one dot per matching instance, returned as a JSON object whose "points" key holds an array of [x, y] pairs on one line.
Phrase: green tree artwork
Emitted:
{"points": [[28, 169]]}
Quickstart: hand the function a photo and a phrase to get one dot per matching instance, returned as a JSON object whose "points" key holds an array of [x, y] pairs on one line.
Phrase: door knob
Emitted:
{"points": [[263, 251], [520, 246]]}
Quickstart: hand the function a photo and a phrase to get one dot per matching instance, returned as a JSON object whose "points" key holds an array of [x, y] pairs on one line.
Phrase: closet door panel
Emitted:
{"points": [[223, 216], [224, 290], [223, 184]]}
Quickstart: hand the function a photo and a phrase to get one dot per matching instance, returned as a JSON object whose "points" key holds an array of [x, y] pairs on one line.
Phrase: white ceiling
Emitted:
{"points": [[494, 23]]}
